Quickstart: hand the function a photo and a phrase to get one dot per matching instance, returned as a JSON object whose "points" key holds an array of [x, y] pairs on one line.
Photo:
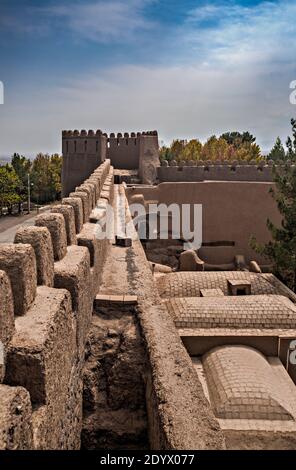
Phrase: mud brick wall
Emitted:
{"points": [[83, 151], [232, 211], [215, 171], [179, 416], [48, 280]]}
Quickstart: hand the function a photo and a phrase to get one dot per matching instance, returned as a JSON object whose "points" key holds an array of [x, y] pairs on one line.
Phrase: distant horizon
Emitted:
{"points": [[6, 157]]}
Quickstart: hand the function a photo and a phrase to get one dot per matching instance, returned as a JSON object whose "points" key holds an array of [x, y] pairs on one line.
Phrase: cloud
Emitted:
{"points": [[243, 35], [217, 11], [232, 74], [185, 102], [102, 21]]}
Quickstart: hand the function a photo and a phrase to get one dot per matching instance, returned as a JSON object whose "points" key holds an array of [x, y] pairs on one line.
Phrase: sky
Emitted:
{"points": [[188, 68]]}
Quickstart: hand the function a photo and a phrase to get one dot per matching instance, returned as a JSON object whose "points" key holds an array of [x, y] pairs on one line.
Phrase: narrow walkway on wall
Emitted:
{"points": [[114, 374]]}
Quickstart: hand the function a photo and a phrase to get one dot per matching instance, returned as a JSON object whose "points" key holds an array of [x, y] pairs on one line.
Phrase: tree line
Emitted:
{"points": [[43, 174], [229, 146]]}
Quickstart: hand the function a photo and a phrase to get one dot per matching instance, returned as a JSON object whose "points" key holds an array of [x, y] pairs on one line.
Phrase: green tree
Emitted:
{"points": [[165, 153], [56, 162], [248, 151], [237, 139], [177, 148], [192, 150], [277, 152], [9, 183], [22, 167], [230, 146], [291, 142], [216, 148], [281, 251], [46, 178]]}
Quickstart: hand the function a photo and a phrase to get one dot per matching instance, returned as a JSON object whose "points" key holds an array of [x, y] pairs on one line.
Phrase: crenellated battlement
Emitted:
{"points": [[67, 134], [133, 135], [235, 170], [84, 150], [230, 163], [49, 277]]}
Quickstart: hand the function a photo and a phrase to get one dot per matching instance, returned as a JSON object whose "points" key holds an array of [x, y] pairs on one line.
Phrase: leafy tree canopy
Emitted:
{"points": [[281, 251], [277, 152], [9, 183], [291, 142], [229, 146], [237, 139]]}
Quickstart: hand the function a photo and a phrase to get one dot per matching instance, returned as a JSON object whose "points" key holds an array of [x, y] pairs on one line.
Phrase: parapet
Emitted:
{"points": [[40, 239], [82, 133], [84, 142], [19, 262], [92, 134], [197, 170], [47, 286], [57, 228], [132, 135], [68, 213], [6, 316]]}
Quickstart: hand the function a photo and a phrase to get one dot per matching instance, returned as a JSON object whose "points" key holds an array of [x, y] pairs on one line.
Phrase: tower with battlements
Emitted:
{"points": [[83, 151]]}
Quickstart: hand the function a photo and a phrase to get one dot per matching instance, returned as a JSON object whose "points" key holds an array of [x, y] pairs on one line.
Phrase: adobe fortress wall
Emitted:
{"points": [[196, 171], [48, 280], [232, 211], [84, 151]]}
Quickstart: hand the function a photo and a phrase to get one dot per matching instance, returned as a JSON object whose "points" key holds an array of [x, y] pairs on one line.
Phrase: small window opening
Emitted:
{"points": [[241, 292]]}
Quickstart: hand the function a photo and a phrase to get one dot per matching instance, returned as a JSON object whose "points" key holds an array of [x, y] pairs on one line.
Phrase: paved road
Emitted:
{"points": [[7, 236]]}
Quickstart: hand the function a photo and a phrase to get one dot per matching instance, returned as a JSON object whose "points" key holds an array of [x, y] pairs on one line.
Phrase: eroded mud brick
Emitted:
{"points": [[57, 228], [76, 203], [40, 239], [42, 349], [6, 319], [68, 212], [19, 262], [97, 249], [89, 190], [73, 273], [85, 203], [96, 184], [15, 419]]}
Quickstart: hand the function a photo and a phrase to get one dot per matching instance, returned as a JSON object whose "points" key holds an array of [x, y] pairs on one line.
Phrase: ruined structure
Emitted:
{"points": [[104, 349]]}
